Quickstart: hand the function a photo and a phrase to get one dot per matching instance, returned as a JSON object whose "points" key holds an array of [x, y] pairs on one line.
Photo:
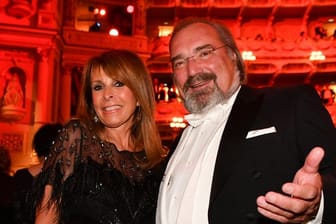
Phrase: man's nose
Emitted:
{"points": [[193, 66]]}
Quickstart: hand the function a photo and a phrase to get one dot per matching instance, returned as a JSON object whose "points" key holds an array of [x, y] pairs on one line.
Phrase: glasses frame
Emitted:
{"points": [[196, 56]]}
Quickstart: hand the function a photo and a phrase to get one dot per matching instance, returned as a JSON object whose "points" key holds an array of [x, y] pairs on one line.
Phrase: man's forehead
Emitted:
{"points": [[194, 34]]}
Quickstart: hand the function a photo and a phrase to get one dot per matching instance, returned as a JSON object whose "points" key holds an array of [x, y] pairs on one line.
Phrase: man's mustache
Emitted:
{"points": [[202, 76]]}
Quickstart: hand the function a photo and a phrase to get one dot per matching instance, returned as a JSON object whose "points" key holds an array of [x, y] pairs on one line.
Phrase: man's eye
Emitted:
{"points": [[205, 53], [118, 84], [178, 63]]}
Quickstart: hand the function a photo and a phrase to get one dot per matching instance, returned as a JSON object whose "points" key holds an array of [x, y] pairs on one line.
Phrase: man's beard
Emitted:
{"points": [[202, 100]]}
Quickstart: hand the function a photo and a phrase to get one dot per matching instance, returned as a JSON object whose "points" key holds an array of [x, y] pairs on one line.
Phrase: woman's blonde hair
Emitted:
{"points": [[128, 68]]}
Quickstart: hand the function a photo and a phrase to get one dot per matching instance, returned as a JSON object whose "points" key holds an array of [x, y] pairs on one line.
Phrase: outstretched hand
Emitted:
{"points": [[300, 199]]}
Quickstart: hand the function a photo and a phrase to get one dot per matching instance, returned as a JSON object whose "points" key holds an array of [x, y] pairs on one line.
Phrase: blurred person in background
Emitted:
{"points": [[42, 142], [6, 188]]}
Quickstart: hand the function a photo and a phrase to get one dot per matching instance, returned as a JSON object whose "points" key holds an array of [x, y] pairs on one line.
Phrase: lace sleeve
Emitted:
{"points": [[60, 163], [66, 150]]}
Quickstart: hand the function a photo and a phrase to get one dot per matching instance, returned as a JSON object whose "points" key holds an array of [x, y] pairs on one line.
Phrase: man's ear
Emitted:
{"points": [[232, 55]]}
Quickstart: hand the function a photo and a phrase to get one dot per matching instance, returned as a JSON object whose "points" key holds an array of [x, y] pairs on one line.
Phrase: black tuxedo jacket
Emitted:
{"points": [[248, 167]]}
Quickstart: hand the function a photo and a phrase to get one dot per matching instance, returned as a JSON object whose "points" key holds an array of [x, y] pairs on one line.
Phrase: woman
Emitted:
{"points": [[106, 166]]}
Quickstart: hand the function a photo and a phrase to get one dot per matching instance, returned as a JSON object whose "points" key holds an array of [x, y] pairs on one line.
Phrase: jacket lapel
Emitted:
{"points": [[242, 115]]}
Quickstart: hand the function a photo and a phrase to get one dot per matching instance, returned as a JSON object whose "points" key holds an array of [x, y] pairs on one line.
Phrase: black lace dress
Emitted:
{"points": [[93, 182]]}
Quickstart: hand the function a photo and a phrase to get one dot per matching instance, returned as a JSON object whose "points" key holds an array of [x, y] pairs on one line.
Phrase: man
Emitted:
{"points": [[246, 156]]}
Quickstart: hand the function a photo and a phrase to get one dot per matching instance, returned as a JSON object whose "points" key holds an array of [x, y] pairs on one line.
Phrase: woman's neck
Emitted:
{"points": [[123, 142]]}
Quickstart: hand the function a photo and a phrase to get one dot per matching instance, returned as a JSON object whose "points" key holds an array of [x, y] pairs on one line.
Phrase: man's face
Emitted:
{"points": [[205, 71]]}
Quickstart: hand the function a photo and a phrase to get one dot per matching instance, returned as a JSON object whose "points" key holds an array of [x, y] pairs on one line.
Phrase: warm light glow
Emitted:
{"points": [[165, 30], [166, 89], [248, 56], [114, 32], [317, 56], [130, 9], [96, 11], [177, 122], [177, 119], [102, 12], [331, 20]]}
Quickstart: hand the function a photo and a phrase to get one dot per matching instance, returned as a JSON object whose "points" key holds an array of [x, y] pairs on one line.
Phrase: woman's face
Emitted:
{"points": [[114, 103]]}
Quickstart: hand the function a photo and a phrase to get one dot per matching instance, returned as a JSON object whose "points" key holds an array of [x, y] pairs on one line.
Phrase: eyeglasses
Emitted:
{"points": [[201, 55]]}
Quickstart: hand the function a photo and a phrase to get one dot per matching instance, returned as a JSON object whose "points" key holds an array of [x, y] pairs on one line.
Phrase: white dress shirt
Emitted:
{"points": [[185, 188]]}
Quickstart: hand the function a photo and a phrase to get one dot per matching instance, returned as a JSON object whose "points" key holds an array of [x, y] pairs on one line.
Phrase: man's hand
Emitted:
{"points": [[300, 199]]}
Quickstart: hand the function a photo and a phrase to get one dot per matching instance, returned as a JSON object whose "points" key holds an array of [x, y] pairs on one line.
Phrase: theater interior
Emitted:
{"points": [[45, 44]]}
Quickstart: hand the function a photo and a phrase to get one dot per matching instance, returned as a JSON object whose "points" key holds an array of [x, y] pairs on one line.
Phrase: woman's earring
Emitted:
{"points": [[96, 119], [138, 104]]}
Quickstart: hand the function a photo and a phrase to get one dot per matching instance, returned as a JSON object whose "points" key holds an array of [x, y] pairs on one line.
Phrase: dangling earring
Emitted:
{"points": [[138, 112], [95, 119]]}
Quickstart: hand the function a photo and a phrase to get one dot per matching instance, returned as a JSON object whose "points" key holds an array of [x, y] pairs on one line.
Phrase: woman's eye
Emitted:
{"points": [[118, 84], [97, 87]]}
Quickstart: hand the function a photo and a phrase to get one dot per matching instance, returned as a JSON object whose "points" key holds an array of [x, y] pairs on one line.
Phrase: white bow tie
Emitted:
{"points": [[214, 114]]}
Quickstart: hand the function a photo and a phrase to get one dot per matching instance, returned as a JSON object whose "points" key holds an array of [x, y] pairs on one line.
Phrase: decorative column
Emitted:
{"points": [[237, 27], [65, 94], [69, 13], [139, 19], [43, 88]]}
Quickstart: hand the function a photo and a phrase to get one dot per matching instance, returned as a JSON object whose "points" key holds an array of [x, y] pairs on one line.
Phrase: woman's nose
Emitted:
{"points": [[108, 94]]}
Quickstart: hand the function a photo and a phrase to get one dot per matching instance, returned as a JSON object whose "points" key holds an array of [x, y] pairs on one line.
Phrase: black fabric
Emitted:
{"points": [[22, 203], [93, 182], [249, 167], [6, 199]]}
